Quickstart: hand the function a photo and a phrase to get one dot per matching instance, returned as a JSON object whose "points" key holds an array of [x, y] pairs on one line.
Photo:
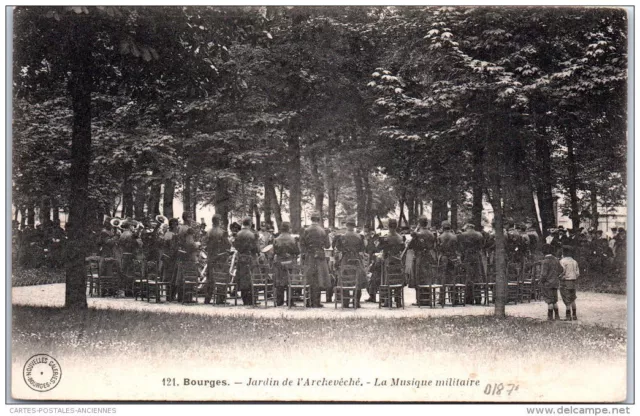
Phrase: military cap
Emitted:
{"points": [[285, 226], [315, 215], [446, 224], [351, 221], [423, 220], [469, 227]]}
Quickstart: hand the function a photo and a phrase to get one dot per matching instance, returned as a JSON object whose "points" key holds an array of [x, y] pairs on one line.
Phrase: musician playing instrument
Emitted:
{"points": [[312, 243], [286, 252], [352, 247], [246, 242], [423, 242], [217, 246], [392, 246], [168, 251]]}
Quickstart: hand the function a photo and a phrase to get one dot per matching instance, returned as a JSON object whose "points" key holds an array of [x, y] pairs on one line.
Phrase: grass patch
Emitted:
{"points": [[21, 276], [96, 332], [612, 283]]}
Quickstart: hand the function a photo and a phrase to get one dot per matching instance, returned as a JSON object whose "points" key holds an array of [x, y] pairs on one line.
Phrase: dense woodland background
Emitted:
{"points": [[356, 109]]}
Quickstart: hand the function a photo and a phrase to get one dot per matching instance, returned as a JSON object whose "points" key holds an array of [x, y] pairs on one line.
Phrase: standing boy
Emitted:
{"points": [[570, 274], [550, 280]]}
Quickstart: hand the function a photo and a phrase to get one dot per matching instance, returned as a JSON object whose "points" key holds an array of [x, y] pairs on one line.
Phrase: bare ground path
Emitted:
{"points": [[593, 308]]}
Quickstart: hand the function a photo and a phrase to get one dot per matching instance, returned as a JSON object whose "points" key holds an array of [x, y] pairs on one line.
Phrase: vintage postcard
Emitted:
{"points": [[345, 203]]}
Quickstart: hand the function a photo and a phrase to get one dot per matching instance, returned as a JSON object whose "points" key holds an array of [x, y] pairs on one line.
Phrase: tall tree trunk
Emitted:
{"points": [[186, 194], [256, 212], [80, 87], [478, 181], [141, 196], [295, 191], [318, 188], [332, 190], [222, 201], [402, 217], [595, 216], [411, 210], [45, 210], [167, 198], [421, 208], [572, 169], [23, 216], [267, 203], [454, 213], [438, 211], [544, 188], [127, 194], [368, 207], [517, 191], [31, 215], [194, 200], [269, 189], [360, 198], [154, 199], [500, 260]]}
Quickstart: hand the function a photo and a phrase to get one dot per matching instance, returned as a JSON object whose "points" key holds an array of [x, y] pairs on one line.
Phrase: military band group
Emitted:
{"points": [[322, 253]]}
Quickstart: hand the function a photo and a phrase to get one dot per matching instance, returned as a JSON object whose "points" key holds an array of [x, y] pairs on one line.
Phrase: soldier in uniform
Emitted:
{"points": [[423, 242], [246, 242], [370, 248], [313, 242], [513, 244], [217, 243], [392, 246], [448, 250], [130, 245], [471, 243], [108, 241], [352, 248], [168, 252], [187, 239], [286, 251]]}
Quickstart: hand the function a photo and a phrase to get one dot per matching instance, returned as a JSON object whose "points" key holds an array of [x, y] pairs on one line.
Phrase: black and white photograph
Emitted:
{"points": [[424, 204]]}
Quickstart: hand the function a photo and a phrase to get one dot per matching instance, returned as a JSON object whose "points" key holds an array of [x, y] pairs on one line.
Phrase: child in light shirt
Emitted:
{"points": [[570, 274]]}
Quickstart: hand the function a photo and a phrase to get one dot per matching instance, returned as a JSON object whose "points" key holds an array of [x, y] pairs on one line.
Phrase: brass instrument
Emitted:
{"points": [[116, 223]]}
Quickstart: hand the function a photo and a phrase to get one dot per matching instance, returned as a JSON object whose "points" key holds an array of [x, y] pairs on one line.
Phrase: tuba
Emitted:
{"points": [[116, 223]]}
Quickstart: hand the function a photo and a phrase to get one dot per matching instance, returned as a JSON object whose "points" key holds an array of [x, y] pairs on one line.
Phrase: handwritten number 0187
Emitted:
{"points": [[496, 389]]}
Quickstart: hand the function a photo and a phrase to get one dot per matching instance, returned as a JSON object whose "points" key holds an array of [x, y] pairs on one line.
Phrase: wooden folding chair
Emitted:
{"points": [[262, 285], [297, 282], [392, 285], [347, 286]]}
